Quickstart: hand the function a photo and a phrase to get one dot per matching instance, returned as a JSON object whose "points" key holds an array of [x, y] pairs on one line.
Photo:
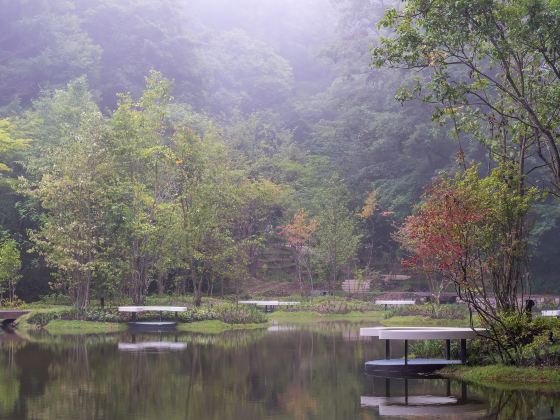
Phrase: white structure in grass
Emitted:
{"points": [[161, 309], [267, 303], [395, 302], [137, 309], [555, 313], [418, 333]]}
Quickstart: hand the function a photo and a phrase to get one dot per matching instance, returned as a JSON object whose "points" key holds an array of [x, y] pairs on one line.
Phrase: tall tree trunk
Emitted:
{"points": [[197, 299]]}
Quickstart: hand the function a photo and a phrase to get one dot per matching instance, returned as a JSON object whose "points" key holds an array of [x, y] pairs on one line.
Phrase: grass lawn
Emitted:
{"points": [[307, 317], [545, 379], [422, 321], [216, 327]]}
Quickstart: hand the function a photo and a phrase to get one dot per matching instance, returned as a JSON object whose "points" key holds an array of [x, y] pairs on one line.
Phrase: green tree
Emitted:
{"points": [[10, 145], [69, 179], [201, 200], [493, 69], [10, 266], [337, 239], [472, 232], [138, 153]]}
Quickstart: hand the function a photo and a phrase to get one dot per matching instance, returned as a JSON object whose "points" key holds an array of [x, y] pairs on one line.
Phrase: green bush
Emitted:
{"points": [[333, 304], [203, 313], [228, 313], [426, 310], [239, 314], [56, 299], [91, 314], [43, 318]]}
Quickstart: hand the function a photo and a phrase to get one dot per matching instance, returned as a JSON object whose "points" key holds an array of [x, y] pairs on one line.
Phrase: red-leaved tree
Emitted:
{"points": [[472, 232]]}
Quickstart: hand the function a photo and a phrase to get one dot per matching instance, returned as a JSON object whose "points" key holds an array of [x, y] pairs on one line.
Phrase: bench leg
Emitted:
{"points": [[387, 349], [405, 352], [405, 391], [387, 387]]}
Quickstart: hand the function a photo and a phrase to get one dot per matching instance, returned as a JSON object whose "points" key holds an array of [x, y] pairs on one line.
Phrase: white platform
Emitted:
{"points": [[420, 333], [551, 313], [395, 302], [136, 309], [267, 303]]}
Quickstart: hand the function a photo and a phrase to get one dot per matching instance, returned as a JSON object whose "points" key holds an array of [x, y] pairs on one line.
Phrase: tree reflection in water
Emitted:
{"points": [[303, 373]]}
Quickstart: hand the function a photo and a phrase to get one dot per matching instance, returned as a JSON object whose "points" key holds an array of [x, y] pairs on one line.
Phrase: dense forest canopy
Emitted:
{"points": [[198, 146]]}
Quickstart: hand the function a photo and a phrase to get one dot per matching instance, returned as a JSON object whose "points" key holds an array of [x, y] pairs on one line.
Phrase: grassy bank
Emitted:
{"points": [[422, 321], [223, 316], [508, 377], [308, 317], [216, 327], [59, 327]]}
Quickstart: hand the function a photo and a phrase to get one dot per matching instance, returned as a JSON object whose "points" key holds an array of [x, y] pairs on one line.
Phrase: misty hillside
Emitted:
{"points": [[177, 146]]}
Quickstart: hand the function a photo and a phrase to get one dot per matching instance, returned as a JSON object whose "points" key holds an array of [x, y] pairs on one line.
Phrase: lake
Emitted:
{"points": [[284, 372]]}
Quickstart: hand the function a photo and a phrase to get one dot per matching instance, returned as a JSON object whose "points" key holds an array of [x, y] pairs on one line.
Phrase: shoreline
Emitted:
{"points": [[377, 317], [542, 379]]}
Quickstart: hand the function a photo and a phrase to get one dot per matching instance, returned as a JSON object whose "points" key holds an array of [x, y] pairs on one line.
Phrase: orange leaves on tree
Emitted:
{"points": [[299, 232], [369, 205]]}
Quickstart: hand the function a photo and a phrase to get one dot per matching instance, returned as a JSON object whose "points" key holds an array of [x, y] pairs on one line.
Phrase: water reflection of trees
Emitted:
{"points": [[253, 374]]}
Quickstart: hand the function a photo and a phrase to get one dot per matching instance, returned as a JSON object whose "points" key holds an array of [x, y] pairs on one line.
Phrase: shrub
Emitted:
{"points": [[525, 341], [445, 311], [56, 299], [197, 314], [228, 313], [43, 318], [330, 304], [239, 314]]}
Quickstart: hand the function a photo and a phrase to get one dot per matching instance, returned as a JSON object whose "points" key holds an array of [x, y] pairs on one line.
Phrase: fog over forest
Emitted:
{"points": [[170, 146]]}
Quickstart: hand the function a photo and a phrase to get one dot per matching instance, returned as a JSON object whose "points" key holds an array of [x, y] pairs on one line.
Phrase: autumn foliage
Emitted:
{"points": [[443, 232], [472, 232], [298, 233]]}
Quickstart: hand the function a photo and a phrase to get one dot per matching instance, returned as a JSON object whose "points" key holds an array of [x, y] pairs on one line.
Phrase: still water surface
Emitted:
{"points": [[281, 373]]}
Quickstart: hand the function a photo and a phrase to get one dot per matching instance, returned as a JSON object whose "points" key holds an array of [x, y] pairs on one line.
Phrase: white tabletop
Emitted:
{"points": [[152, 308]]}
